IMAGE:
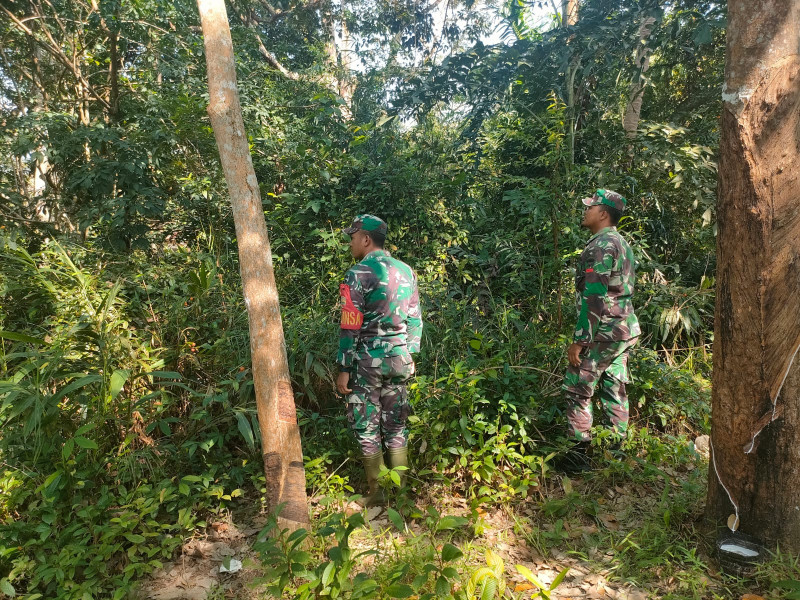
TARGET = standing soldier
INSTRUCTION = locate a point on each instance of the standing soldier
(380, 329)
(607, 327)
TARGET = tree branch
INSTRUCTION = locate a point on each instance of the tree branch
(268, 56)
(57, 53)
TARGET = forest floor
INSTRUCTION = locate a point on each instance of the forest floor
(623, 532)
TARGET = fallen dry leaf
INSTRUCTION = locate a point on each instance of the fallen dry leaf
(752, 597)
(610, 521)
(523, 587)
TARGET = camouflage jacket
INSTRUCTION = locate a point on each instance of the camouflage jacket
(604, 284)
(380, 310)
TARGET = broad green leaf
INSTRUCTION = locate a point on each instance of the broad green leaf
(84, 428)
(66, 450)
(787, 584)
(7, 588)
(363, 585)
(86, 443)
(489, 588)
(51, 483)
(559, 578)
(118, 379)
(356, 520)
(20, 337)
(327, 574)
(493, 560)
(451, 522)
(450, 573)
(442, 586)
(134, 538)
(702, 35)
(83, 381)
(419, 581)
(451, 552)
(302, 557)
(399, 590)
(245, 429)
(396, 519)
(165, 374)
(298, 535)
(527, 574)
(108, 301)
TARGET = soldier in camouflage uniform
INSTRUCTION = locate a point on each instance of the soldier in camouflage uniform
(381, 324)
(607, 327)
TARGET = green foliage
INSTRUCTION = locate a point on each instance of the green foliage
(487, 582)
(88, 414)
(430, 569)
(290, 568)
(669, 399)
(288, 562)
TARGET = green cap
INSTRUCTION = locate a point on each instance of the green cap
(367, 223)
(607, 197)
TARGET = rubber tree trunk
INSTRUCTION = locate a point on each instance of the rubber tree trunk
(569, 18)
(756, 382)
(280, 436)
(633, 110)
(569, 12)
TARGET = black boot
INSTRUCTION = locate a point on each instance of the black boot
(575, 460)
(616, 450)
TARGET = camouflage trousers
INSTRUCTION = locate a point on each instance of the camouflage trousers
(378, 406)
(605, 363)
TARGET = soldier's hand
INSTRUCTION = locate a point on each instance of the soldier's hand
(574, 354)
(341, 383)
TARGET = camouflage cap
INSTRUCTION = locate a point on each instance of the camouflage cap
(607, 197)
(367, 223)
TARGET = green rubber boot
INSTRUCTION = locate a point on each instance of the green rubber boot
(372, 467)
(398, 457)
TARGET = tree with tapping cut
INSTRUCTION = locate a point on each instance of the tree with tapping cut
(280, 435)
(756, 385)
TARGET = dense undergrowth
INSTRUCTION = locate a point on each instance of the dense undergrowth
(128, 410)
(129, 415)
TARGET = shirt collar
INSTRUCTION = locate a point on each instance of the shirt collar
(601, 232)
(378, 252)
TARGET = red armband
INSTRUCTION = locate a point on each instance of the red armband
(352, 318)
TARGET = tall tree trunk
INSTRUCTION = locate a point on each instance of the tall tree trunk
(569, 18)
(569, 12)
(339, 58)
(280, 435)
(346, 86)
(630, 122)
(756, 392)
